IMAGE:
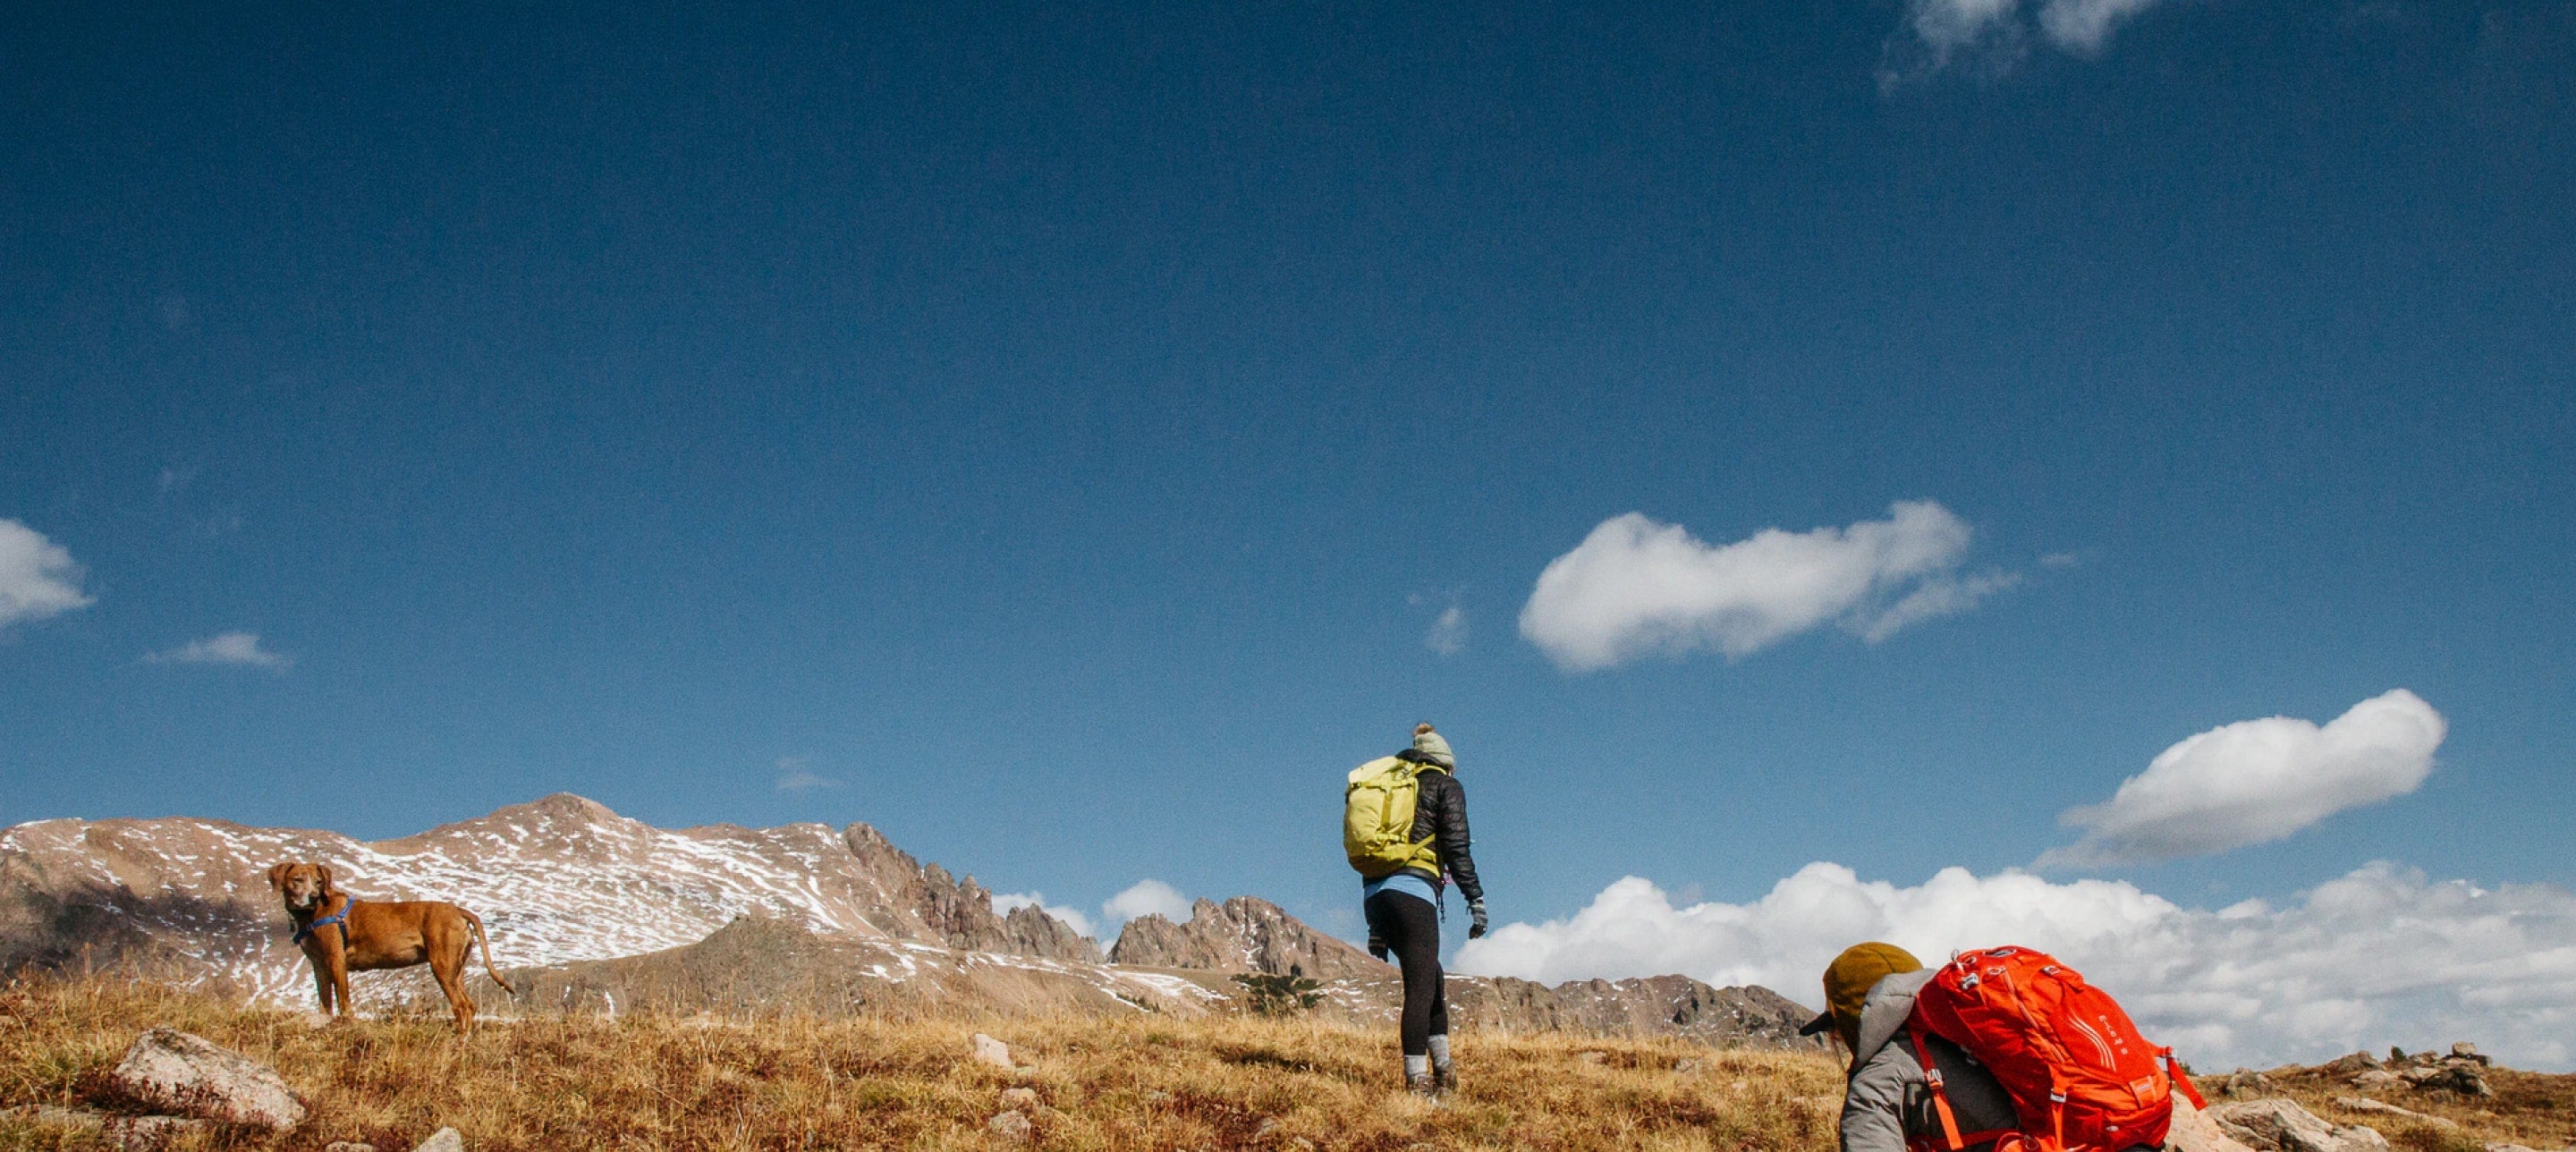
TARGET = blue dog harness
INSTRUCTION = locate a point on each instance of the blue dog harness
(340, 918)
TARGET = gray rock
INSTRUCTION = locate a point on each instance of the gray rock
(2462, 1078)
(1010, 1125)
(172, 1071)
(1020, 1099)
(993, 1052)
(2466, 1051)
(348, 1146)
(2193, 1131)
(443, 1140)
(2280, 1125)
(2246, 1082)
(148, 1133)
(54, 1116)
(2377, 1078)
(2378, 1108)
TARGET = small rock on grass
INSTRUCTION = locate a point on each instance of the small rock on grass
(148, 1133)
(348, 1146)
(1009, 1125)
(1023, 1099)
(173, 1071)
(443, 1140)
(993, 1052)
(56, 1116)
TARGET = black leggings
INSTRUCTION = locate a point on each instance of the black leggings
(1411, 928)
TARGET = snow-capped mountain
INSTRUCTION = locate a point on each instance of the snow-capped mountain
(557, 881)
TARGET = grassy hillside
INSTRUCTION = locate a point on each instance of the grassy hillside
(662, 1081)
(656, 1081)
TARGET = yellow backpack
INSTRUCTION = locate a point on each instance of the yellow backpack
(1377, 819)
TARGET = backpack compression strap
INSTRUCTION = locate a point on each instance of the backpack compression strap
(1941, 1102)
(2181, 1079)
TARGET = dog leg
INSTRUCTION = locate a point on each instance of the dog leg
(450, 971)
(340, 980)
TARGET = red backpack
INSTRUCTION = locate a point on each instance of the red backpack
(2080, 1077)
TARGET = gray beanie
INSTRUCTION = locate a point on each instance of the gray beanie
(1432, 747)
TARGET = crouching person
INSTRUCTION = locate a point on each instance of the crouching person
(1943, 1059)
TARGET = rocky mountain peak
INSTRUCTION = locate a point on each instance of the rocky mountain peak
(1245, 934)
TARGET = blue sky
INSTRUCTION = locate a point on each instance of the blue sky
(1054, 434)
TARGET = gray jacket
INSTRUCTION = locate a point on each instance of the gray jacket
(1888, 1097)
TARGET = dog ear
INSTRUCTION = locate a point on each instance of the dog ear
(328, 889)
(277, 876)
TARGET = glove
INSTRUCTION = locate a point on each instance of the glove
(1377, 946)
(1476, 909)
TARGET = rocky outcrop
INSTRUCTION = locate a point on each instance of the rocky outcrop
(559, 880)
(1646, 1006)
(1244, 934)
(2461, 1071)
(2280, 1125)
(1650, 1006)
(762, 964)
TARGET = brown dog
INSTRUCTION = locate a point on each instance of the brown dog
(341, 934)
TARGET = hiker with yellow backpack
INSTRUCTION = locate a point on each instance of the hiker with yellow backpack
(1404, 827)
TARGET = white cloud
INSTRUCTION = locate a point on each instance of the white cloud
(1949, 26)
(1996, 32)
(1635, 587)
(37, 577)
(2257, 781)
(2378, 957)
(236, 648)
(796, 774)
(1147, 898)
(2084, 25)
(1448, 635)
(1009, 902)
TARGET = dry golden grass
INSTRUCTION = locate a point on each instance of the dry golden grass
(1146, 1082)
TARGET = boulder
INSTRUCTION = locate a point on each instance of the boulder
(2348, 1065)
(171, 1071)
(2193, 1131)
(2279, 1125)
(2467, 1051)
(2378, 1078)
(2246, 1082)
(2462, 1078)
(443, 1140)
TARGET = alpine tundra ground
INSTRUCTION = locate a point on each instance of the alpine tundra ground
(654, 1081)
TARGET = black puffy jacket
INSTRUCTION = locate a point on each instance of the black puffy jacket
(1440, 814)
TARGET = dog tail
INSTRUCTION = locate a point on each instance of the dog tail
(479, 938)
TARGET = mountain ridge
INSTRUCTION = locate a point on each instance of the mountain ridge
(591, 910)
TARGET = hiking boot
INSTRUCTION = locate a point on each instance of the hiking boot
(1422, 1084)
(1444, 1080)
